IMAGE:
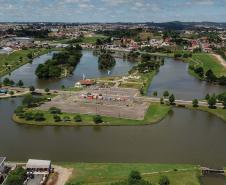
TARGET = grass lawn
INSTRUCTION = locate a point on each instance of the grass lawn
(107, 173)
(13, 59)
(154, 114)
(93, 39)
(207, 61)
(219, 112)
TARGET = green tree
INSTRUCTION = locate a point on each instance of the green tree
(162, 100)
(39, 116)
(29, 55)
(57, 118)
(78, 118)
(172, 99)
(16, 177)
(155, 93)
(31, 88)
(47, 90)
(164, 180)
(97, 119)
(212, 101)
(166, 93)
(195, 103)
(54, 110)
(29, 116)
(11, 93)
(106, 61)
(20, 83)
(134, 177)
(207, 96)
(224, 104)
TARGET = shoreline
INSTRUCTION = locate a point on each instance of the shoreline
(155, 113)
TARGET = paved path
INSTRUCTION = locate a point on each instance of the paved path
(24, 91)
(220, 59)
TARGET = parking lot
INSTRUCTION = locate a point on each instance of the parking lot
(113, 102)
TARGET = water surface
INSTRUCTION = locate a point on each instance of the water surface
(87, 66)
(174, 77)
(185, 136)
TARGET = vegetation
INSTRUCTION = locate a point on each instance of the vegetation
(219, 112)
(61, 64)
(16, 177)
(133, 179)
(9, 63)
(106, 61)
(195, 103)
(155, 113)
(106, 174)
(172, 99)
(206, 67)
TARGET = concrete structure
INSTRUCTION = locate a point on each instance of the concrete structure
(2, 164)
(35, 165)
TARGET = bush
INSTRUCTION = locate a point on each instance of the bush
(195, 103)
(212, 101)
(164, 180)
(66, 118)
(97, 119)
(19, 110)
(166, 94)
(16, 177)
(29, 116)
(155, 93)
(172, 99)
(57, 118)
(39, 117)
(77, 118)
(54, 110)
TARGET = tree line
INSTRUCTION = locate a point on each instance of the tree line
(67, 59)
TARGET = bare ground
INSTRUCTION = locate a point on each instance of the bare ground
(220, 59)
(63, 174)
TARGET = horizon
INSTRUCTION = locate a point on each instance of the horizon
(112, 11)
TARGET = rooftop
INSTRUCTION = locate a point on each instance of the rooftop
(34, 163)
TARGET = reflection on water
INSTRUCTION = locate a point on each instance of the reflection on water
(88, 66)
(174, 77)
(213, 180)
(186, 136)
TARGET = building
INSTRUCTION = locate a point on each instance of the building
(87, 82)
(2, 164)
(37, 166)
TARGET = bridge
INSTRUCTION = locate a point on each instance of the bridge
(206, 170)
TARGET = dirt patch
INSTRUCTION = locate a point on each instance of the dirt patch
(63, 175)
(220, 59)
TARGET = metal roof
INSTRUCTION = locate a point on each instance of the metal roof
(33, 163)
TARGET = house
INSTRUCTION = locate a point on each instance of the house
(41, 166)
(87, 82)
(2, 164)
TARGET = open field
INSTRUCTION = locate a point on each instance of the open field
(154, 114)
(112, 102)
(107, 173)
(207, 61)
(9, 63)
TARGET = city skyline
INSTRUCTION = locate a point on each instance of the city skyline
(112, 11)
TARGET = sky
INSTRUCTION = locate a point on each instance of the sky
(112, 10)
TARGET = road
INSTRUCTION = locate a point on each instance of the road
(23, 91)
